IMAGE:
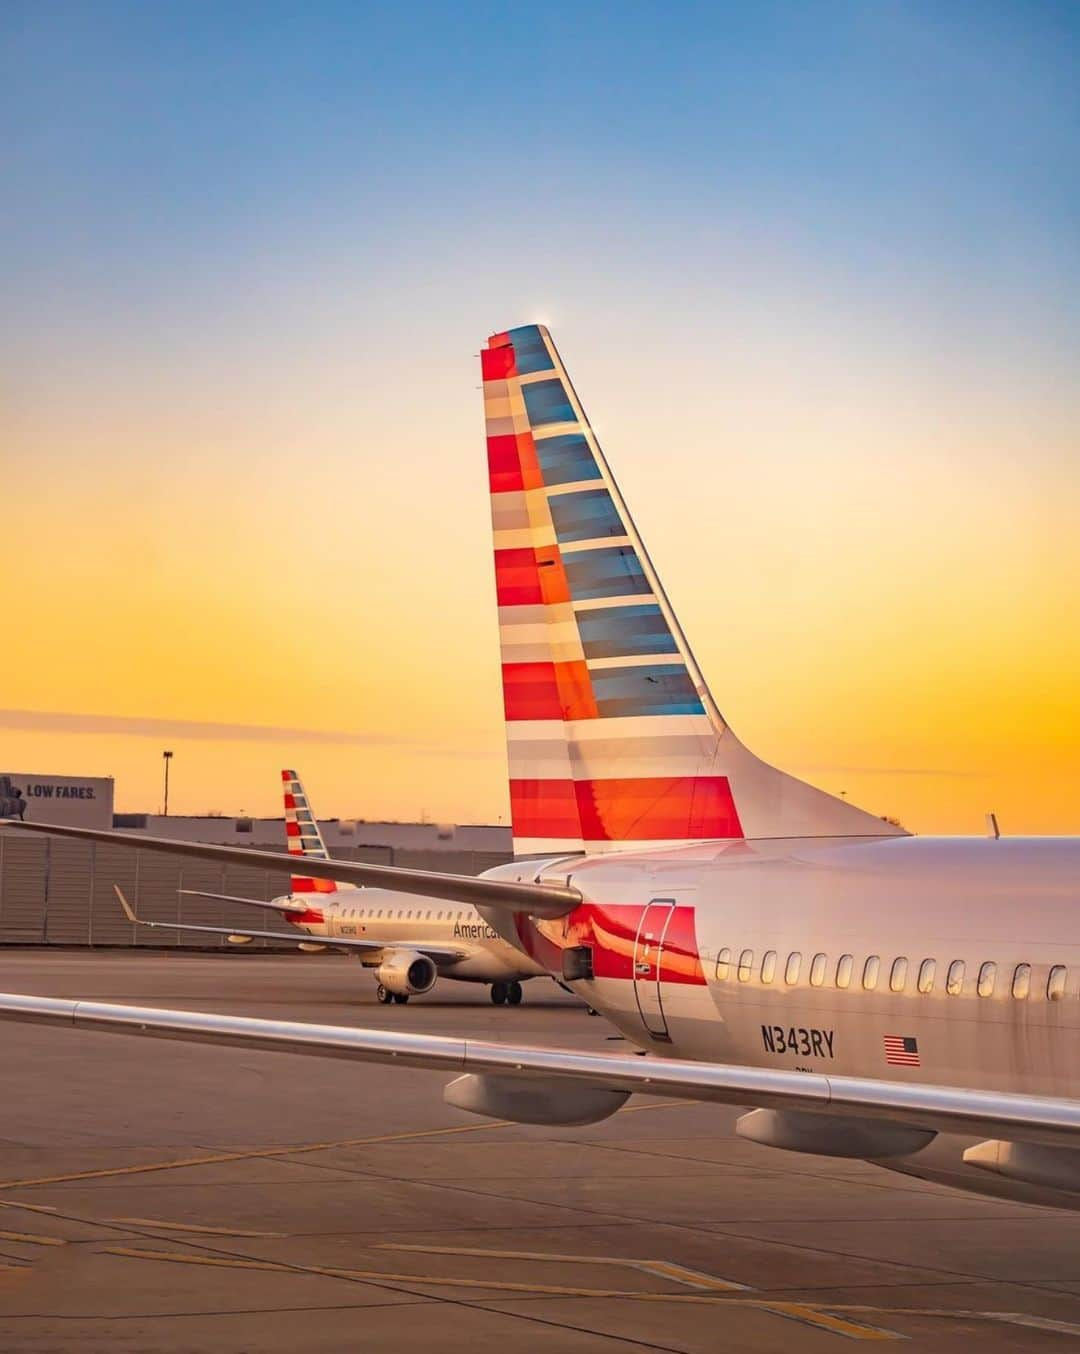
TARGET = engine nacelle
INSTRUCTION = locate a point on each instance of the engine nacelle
(831, 1135)
(407, 974)
(1032, 1163)
(532, 1100)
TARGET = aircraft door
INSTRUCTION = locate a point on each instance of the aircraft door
(648, 960)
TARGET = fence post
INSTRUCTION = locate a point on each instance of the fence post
(45, 905)
(90, 899)
(138, 900)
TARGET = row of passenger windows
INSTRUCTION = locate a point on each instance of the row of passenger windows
(403, 914)
(898, 974)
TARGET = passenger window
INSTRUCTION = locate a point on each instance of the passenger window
(898, 975)
(987, 975)
(817, 970)
(1055, 983)
(870, 972)
(746, 966)
(954, 979)
(723, 965)
(844, 966)
(927, 969)
(768, 966)
(1021, 982)
(791, 971)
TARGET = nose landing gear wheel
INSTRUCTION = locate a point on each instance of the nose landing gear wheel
(499, 993)
(383, 996)
(513, 994)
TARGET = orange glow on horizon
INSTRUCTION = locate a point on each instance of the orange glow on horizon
(894, 618)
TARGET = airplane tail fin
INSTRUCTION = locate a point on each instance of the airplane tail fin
(302, 835)
(613, 737)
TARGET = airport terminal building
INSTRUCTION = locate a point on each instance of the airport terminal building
(60, 892)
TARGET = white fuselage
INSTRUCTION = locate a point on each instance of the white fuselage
(405, 922)
(763, 954)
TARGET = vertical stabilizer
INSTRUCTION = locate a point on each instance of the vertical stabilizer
(614, 740)
(302, 835)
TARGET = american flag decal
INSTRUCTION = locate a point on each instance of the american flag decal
(902, 1050)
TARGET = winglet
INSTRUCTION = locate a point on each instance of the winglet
(126, 906)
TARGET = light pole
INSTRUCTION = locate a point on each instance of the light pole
(166, 758)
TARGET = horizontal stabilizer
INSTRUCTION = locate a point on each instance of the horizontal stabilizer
(537, 900)
(446, 954)
(276, 904)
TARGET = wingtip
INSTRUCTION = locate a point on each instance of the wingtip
(128, 911)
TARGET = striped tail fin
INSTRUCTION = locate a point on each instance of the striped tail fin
(302, 835)
(614, 740)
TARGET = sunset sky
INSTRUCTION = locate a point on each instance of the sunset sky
(814, 270)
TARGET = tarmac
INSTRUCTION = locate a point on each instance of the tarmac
(158, 1196)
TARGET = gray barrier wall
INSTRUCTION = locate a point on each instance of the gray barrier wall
(57, 892)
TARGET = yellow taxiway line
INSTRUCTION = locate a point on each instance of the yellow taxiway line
(257, 1153)
(664, 1269)
(32, 1239)
(193, 1227)
(252, 1154)
(796, 1311)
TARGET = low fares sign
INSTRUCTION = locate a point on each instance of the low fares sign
(78, 801)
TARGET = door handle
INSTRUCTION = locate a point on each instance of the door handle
(644, 968)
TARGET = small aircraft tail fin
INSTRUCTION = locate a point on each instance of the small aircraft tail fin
(303, 835)
(614, 739)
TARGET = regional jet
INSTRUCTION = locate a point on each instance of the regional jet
(409, 942)
(913, 1001)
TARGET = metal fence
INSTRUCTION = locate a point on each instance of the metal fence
(57, 892)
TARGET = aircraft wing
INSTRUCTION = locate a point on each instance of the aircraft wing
(944, 1109)
(446, 953)
(538, 900)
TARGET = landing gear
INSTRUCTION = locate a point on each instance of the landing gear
(506, 994)
(382, 995)
(590, 1011)
(401, 998)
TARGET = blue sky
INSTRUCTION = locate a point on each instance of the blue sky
(906, 143)
(813, 267)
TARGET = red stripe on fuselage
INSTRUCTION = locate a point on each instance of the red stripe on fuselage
(610, 929)
(311, 917)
